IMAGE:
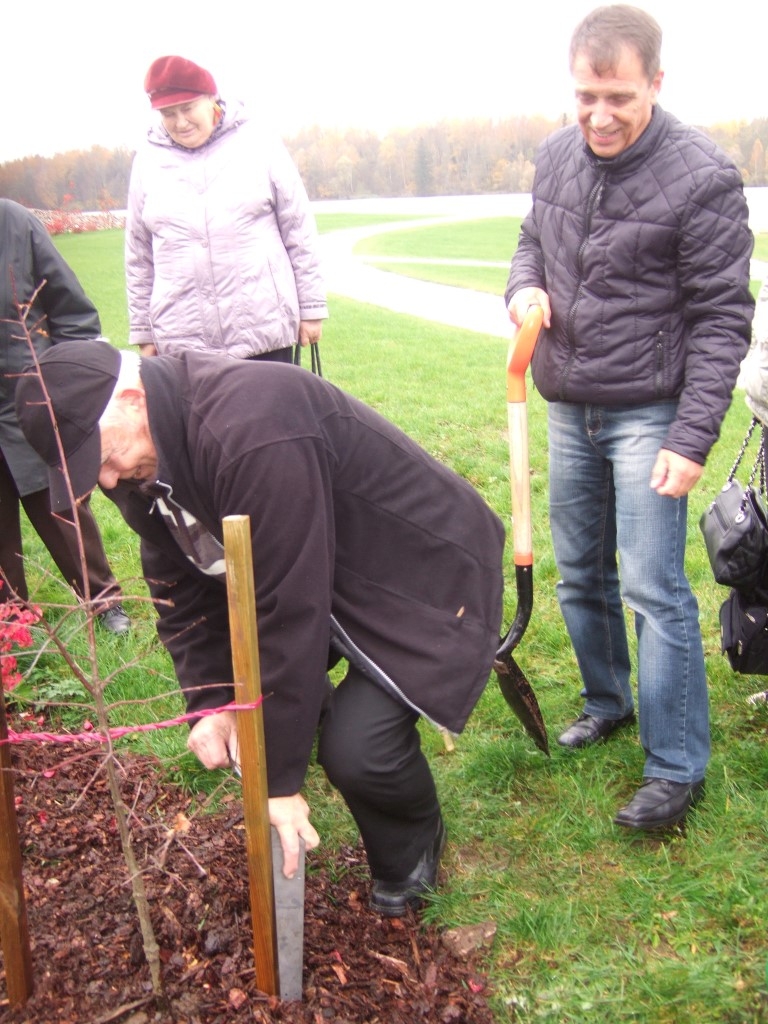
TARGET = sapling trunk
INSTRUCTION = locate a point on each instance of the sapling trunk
(95, 686)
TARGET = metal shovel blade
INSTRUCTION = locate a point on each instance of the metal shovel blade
(516, 689)
(518, 693)
(289, 917)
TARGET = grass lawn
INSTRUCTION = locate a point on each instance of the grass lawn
(340, 221)
(594, 926)
(491, 240)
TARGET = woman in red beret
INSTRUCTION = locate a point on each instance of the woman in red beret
(221, 245)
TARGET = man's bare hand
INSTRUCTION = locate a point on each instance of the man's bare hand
(673, 475)
(522, 301)
(290, 816)
(214, 740)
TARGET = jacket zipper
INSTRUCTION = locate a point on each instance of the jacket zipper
(345, 645)
(660, 390)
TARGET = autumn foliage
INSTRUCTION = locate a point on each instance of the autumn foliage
(15, 635)
(461, 157)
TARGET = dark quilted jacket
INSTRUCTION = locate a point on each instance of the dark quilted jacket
(645, 258)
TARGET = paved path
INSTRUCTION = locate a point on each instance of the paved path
(357, 278)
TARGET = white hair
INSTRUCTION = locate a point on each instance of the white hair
(130, 371)
(129, 376)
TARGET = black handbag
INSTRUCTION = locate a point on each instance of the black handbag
(744, 634)
(735, 527)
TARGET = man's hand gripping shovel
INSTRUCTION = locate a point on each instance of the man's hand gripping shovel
(516, 689)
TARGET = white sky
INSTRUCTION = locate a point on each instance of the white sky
(72, 74)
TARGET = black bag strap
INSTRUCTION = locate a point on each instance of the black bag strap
(316, 367)
(759, 460)
(315, 350)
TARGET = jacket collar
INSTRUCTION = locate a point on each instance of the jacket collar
(166, 418)
(639, 152)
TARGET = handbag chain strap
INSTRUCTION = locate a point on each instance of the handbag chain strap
(759, 461)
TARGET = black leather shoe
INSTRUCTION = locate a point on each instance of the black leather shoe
(659, 803)
(392, 899)
(114, 620)
(588, 729)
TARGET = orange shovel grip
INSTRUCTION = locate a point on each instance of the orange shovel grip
(520, 353)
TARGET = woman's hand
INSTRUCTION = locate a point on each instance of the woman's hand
(310, 332)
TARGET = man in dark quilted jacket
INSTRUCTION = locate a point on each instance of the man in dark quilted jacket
(637, 247)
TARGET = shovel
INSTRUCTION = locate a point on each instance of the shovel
(516, 689)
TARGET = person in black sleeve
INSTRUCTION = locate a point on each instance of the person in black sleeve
(33, 273)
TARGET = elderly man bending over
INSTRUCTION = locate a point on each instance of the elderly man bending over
(365, 549)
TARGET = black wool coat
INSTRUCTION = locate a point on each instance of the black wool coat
(361, 540)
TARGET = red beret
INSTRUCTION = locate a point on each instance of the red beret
(173, 80)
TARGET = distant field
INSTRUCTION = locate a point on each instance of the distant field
(339, 221)
(761, 247)
(492, 240)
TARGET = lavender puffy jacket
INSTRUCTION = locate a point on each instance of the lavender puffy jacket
(220, 244)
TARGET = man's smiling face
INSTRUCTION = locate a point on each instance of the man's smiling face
(614, 109)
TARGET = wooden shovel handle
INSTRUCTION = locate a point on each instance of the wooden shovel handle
(519, 357)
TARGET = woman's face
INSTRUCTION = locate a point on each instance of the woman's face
(191, 124)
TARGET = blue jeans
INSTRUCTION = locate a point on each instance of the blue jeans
(615, 538)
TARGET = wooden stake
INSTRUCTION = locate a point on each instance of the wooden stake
(14, 930)
(250, 730)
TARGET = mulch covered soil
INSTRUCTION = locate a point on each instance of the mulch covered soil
(89, 966)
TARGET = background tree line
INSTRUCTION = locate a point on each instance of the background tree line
(471, 157)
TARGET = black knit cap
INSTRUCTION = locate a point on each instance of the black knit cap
(80, 378)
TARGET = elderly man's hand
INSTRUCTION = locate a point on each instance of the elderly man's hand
(310, 332)
(522, 301)
(214, 740)
(290, 816)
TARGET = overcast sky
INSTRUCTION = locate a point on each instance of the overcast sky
(72, 74)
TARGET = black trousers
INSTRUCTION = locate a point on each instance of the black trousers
(277, 355)
(370, 749)
(57, 532)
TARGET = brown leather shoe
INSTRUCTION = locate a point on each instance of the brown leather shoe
(588, 729)
(659, 803)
